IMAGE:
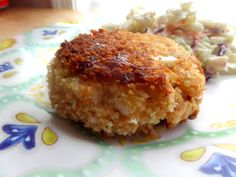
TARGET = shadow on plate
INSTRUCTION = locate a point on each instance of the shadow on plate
(78, 131)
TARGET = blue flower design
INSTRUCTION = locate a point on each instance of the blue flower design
(5, 66)
(24, 134)
(49, 32)
(220, 164)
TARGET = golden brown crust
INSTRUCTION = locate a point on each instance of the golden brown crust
(123, 57)
(115, 82)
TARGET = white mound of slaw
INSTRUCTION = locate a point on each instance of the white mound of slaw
(211, 42)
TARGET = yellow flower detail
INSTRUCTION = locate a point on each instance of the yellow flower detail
(7, 44)
(74, 21)
(49, 137)
(229, 123)
(9, 74)
(231, 147)
(61, 32)
(216, 125)
(48, 38)
(193, 155)
(26, 118)
(18, 61)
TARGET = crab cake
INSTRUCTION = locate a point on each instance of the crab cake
(122, 83)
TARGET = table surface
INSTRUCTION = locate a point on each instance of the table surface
(17, 20)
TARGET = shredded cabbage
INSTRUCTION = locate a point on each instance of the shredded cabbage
(211, 42)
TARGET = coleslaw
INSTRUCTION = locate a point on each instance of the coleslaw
(211, 42)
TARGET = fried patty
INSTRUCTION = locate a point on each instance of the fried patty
(118, 82)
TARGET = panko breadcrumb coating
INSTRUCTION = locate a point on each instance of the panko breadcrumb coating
(123, 83)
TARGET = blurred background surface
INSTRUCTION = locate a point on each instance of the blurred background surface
(22, 15)
(223, 10)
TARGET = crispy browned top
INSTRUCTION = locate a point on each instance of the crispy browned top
(122, 56)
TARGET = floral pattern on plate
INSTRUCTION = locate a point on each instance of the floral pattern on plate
(15, 68)
(25, 134)
(9, 44)
(50, 36)
(218, 163)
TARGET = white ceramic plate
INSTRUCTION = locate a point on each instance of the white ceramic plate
(35, 143)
